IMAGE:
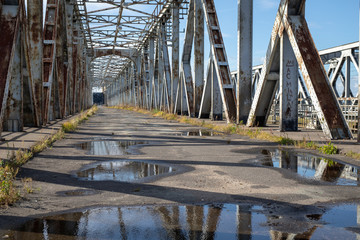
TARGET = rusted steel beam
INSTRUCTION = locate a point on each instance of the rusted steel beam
(264, 93)
(288, 86)
(10, 23)
(49, 50)
(75, 70)
(198, 56)
(155, 78)
(216, 112)
(185, 70)
(314, 74)
(358, 134)
(146, 76)
(33, 55)
(151, 71)
(244, 71)
(205, 106)
(175, 54)
(69, 11)
(13, 118)
(290, 18)
(220, 61)
(167, 71)
(60, 80)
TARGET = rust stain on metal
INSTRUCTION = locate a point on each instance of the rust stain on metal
(318, 78)
(7, 26)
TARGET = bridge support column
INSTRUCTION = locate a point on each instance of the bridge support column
(358, 136)
(175, 55)
(198, 56)
(14, 110)
(288, 86)
(151, 72)
(216, 112)
(34, 55)
(244, 75)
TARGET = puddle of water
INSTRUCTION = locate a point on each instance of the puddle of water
(201, 133)
(124, 171)
(222, 221)
(77, 193)
(111, 147)
(313, 167)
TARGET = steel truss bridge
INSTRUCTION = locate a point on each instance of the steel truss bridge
(131, 49)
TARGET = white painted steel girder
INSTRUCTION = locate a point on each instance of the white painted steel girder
(244, 69)
(288, 86)
(198, 56)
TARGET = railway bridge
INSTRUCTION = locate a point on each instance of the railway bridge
(56, 52)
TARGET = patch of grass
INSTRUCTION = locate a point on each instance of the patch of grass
(72, 125)
(8, 192)
(27, 185)
(329, 149)
(69, 126)
(286, 141)
(9, 169)
(352, 154)
(306, 144)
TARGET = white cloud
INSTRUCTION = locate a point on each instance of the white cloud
(266, 4)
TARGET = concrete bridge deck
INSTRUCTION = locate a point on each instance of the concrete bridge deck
(208, 169)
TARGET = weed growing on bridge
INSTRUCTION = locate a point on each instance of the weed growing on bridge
(8, 191)
(9, 169)
(329, 149)
(72, 125)
(352, 154)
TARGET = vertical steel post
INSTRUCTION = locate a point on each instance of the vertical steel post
(69, 11)
(75, 81)
(160, 73)
(358, 134)
(175, 54)
(347, 89)
(14, 113)
(151, 71)
(216, 112)
(187, 88)
(198, 55)
(35, 53)
(10, 24)
(288, 86)
(244, 74)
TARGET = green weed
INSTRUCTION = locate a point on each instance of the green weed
(329, 149)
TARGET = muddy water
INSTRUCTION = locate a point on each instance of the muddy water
(124, 171)
(111, 147)
(313, 167)
(222, 221)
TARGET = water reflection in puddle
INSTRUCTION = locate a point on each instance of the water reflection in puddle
(313, 167)
(223, 221)
(124, 171)
(77, 193)
(111, 147)
(201, 133)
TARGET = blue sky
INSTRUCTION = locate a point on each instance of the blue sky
(331, 23)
